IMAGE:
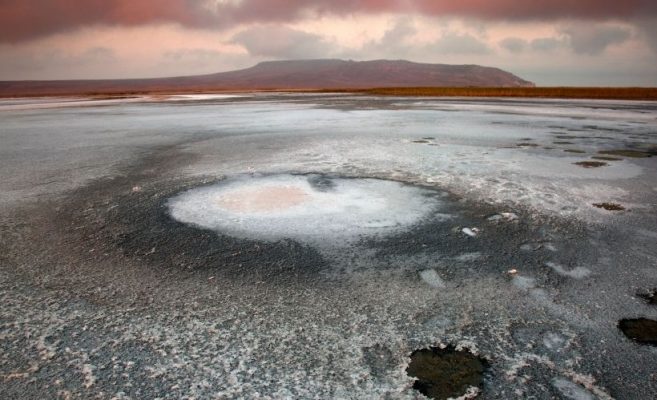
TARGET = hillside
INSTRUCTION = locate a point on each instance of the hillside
(293, 74)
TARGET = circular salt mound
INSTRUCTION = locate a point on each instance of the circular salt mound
(305, 207)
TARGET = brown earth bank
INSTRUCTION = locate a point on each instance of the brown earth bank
(600, 93)
(610, 93)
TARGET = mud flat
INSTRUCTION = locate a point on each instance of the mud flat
(326, 246)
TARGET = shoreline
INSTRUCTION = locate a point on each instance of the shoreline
(593, 93)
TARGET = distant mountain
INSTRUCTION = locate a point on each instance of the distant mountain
(293, 74)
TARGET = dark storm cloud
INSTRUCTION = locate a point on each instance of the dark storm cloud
(282, 42)
(514, 44)
(192, 55)
(592, 40)
(398, 40)
(499, 9)
(26, 19)
(518, 45)
(394, 41)
(459, 43)
(649, 30)
(546, 44)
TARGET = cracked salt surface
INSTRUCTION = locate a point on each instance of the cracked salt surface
(305, 207)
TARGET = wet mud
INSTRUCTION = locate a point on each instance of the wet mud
(444, 373)
(640, 330)
(591, 164)
(649, 297)
(627, 153)
(606, 158)
(609, 206)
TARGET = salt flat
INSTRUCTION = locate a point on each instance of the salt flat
(140, 258)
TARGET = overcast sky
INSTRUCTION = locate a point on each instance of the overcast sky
(550, 42)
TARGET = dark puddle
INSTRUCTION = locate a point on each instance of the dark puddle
(627, 153)
(601, 128)
(609, 206)
(606, 158)
(321, 183)
(566, 137)
(420, 141)
(591, 164)
(526, 145)
(562, 142)
(640, 330)
(446, 373)
(650, 297)
(651, 149)
(574, 151)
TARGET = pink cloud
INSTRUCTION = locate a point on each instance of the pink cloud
(27, 19)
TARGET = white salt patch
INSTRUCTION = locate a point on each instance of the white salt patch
(575, 273)
(571, 390)
(204, 96)
(438, 323)
(540, 294)
(528, 247)
(431, 278)
(554, 341)
(89, 377)
(470, 232)
(466, 257)
(64, 102)
(306, 207)
(503, 217)
(523, 282)
(550, 246)
(471, 393)
(529, 285)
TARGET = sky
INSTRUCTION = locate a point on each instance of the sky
(549, 42)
